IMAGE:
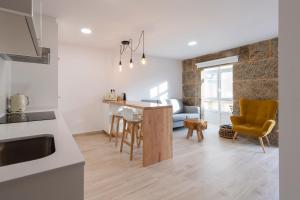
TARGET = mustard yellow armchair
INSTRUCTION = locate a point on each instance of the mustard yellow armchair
(257, 119)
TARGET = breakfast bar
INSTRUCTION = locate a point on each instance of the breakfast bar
(157, 129)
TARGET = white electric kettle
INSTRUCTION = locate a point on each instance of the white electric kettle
(18, 103)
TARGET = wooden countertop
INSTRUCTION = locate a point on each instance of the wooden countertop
(138, 105)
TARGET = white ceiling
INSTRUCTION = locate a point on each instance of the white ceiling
(169, 24)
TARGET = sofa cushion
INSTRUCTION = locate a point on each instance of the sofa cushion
(191, 109)
(178, 124)
(179, 117)
(176, 104)
(183, 116)
(193, 115)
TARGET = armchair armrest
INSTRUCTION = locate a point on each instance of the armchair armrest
(191, 109)
(237, 120)
(268, 126)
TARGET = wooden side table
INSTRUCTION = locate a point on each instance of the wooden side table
(195, 124)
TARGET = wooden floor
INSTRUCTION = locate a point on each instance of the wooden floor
(215, 169)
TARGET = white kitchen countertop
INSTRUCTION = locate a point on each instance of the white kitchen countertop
(66, 152)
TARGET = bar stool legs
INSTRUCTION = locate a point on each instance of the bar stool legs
(139, 135)
(132, 141)
(116, 134)
(133, 128)
(111, 127)
(117, 130)
(123, 134)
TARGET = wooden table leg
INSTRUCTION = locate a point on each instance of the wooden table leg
(189, 133)
(200, 135)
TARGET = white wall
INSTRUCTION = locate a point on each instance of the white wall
(86, 74)
(289, 98)
(84, 78)
(4, 85)
(159, 78)
(39, 81)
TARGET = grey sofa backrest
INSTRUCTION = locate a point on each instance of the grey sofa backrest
(151, 100)
(177, 105)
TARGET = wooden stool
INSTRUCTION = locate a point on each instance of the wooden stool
(118, 118)
(132, 125)
(195, 124)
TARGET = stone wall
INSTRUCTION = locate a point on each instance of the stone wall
(255, 76)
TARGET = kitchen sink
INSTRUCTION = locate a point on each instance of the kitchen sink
(22, 150)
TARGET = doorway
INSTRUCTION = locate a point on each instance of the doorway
(217, 94)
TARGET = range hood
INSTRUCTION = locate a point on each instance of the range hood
(21, 32)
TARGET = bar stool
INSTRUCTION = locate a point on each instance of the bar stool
(116, 115)
(132, 123)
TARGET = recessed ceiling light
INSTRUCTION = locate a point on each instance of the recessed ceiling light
(86, 31)
(192, 43)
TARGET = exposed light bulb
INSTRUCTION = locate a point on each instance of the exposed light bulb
(131, 64)
(120, 66)
(143, 61)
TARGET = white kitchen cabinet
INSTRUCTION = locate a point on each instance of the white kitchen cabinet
(15, 37)
(37, 18)
(23, 7)
(21, 27)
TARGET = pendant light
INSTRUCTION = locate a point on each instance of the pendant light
(129, 44)
(120, 63)
(130, 62)
(120, 66)
(143, 61)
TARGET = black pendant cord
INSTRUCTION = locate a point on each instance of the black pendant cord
(123, 49)
(143, 42)
(141, 36)
(129, 45)
(121, 53)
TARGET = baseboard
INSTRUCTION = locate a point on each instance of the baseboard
(90, 133)
(105, 132)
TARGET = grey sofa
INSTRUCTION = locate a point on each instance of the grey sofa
(180, 111)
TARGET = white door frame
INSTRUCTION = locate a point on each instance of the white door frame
(219, 70)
